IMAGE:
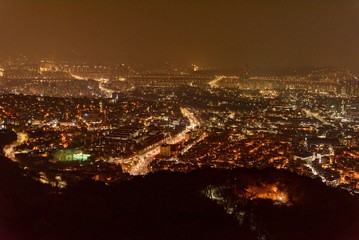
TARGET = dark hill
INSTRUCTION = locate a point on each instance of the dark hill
(7, 137)
(169, 205)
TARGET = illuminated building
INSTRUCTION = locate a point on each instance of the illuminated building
(165, 150)
(71, 155)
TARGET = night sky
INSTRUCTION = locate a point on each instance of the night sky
(260, 33)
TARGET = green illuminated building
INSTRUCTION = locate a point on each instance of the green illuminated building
(71, 155)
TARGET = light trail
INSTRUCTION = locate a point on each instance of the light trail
(9, 150)
(315, 172)
(318, 117)
(102, 82)
(201, 138)
(214, 83)
(77, 77)
(139, 162)
(107, 91)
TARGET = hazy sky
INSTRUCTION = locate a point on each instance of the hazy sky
(225, 33)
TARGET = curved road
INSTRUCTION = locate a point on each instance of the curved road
(139, 162)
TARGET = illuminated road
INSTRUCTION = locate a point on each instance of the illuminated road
(314, 172)
(9, 150)
(203, 136)
(107, 91)
(102, 82)
(78, 77)
(318, 117)
(138, 164)
(214, 83)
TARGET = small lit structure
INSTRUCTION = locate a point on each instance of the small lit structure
(71, 155)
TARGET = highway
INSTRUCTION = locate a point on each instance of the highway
(107, 91)
(139, 162)
(102, 81)
(214, 83)
(318, 117)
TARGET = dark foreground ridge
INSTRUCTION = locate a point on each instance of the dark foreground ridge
(169, 205)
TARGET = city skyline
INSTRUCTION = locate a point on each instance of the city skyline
(262, 148)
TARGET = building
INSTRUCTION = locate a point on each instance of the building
(165, 150)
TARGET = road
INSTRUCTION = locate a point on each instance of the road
(214, 83)
(9, 150)
(139, 162)
(107, 91)
(102, 82)
(201, 138)
(318, 117)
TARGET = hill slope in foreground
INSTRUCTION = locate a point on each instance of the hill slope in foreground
(204, 204)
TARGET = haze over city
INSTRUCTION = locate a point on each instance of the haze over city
(266, 34)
